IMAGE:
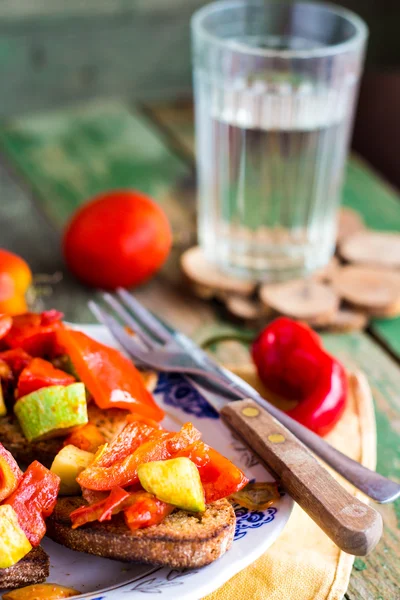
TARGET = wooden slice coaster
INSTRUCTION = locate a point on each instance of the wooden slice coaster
(247, 309)
(373, 248)
(326, 273)
(310, 301)
(346, 320)
(376, 291)
(349, 222)
(207, 278)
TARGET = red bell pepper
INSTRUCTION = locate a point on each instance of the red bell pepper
(112, 379)
(124, 472)
(322, 408)
(34, 500)
(17, 359)
(87, 437)
(131, 437)
(40, 373)
(34, 332)
(5, 325)
(146, 510)
(140, 508)
(102, 510)
(219, 476)
(292, 364)
(10, 474)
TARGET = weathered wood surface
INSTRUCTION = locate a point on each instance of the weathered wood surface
(54, 52)
(67, 156)
(109, 147)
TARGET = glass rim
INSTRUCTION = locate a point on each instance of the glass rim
(199, 29)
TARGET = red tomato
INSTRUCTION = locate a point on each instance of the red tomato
(118, 239)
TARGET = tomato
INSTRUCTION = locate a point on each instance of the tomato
(15, 278)
(118, 239)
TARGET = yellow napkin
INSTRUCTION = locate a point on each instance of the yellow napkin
(304, 564)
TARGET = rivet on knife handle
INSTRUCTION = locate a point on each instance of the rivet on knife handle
(354, 526)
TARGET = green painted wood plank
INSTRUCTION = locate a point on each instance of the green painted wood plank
(366, 191)
(69, 156)
(359, 351)
(379, 204)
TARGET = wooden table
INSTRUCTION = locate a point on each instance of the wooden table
(52, 162)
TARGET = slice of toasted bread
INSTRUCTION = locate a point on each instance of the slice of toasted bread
(33, 568)
(182, 540)
(110, 422)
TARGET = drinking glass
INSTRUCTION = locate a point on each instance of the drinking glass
(275, 87)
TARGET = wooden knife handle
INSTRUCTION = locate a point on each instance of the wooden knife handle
(354, 526)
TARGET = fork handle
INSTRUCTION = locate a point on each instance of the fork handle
(354, 526)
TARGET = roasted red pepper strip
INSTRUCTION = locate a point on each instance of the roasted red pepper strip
(40, 373)
(10, 474)
(112, 379)
(219, 476)
(102, 510)
(141, 509)
(134, 417)
(34, 333)
(292, 364)
(146, 510)
(5, 325)
(48, 317)
(34, 500)
(131, 437)
(17, 359)
(124, 472)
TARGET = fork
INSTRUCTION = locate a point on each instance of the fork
(355, 527)
(164, 349)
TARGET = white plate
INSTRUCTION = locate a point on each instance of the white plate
(104, 579)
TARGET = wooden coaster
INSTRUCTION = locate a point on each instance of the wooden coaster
(349, 222)
(326, 273)
(247, 309)
(373, 248)
(310, 301)
(346, 320)
(376, 291)
(208, 280)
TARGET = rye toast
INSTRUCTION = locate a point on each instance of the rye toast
(182, 540)
(33, 568)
